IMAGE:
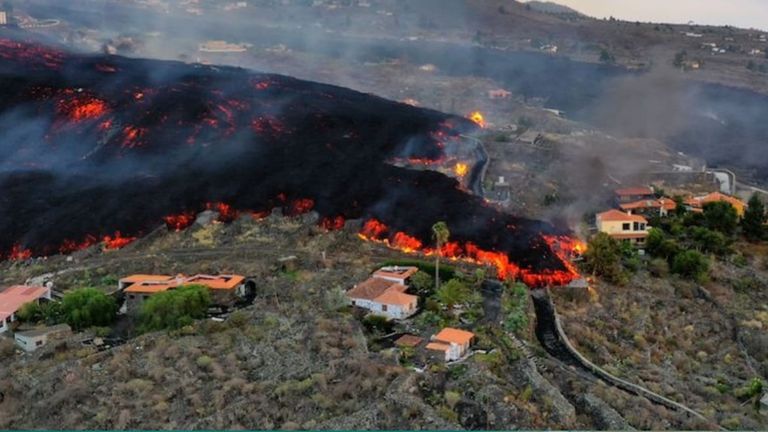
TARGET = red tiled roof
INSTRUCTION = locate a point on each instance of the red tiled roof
(614, 215)
(638, 190)
(150, 284)
(392, 296)
(395, 272)
(145, 278)
(627, 236)
(371, 288)
(438, 346)
(456, 336)
(408, 340)
(12, 298)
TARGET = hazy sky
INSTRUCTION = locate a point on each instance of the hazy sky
(739, 13)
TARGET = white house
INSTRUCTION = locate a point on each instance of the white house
(13, 298)
(384, 293)
(451, 344)
(31, 340)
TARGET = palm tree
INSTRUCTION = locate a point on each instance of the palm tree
(441, 234)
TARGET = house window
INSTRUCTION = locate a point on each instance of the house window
(642, 227)
(383, 308)
(636, 227)
(625, 226)
(353, 303)
(131, 296)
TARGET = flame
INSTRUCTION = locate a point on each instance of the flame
(132, 136)
(117, 241)
(332, 223)
(260, 214)
(69, 246)
(478, 118)
(18, 253)
(301, 206)
(376, 231)
(78, 107)
(226, 212)
(461, 169)
(179, 221)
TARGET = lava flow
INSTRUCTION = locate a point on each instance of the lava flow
(102, 149)
(478, 118)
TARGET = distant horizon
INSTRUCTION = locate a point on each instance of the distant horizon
(737, 13)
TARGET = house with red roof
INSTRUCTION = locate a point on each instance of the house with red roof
(14, 297)
(696, 204)
(650, 207)
(224, 289)
(623, 226)
(633, 194)
(384, 293)
(450, 344)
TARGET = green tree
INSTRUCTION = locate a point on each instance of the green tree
(30, 312)
(441, 234)
(515, 308)
(709, 241)
(692, 264)
(453, 292)
(753, 224)
(721, 216)
(87, 307)
(422, 284)
(680, 208)
(603, 257)
(174, 309)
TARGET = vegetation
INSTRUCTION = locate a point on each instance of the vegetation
(453, 292)
(87, 307)
(174, 309)
(423, 285)
(515, 307)
(721, 216)
(441, 234)
(691, 264)
(606, 56)
(603, 258)
(753, 224)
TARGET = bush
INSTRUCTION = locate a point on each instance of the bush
(710, 241)
(753, 224)
(30, 312)
(721, 216)
(7, 348)
(603, 257)
(515, 308)
(377, 323)
(88, 307)
(658, 268)
(204, 362)
(423, 284)
(174, 309)
(453, 292)
(691, 264)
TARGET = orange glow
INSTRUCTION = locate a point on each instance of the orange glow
(71, 246)
(461, 169)
(180, 221)
(478, 118)
(301, 206)
(225, 211)
(332, 223)
(376, 231)
(77, 107)
(260, 214)
(132, 136)
(18, 253)
(117, 241)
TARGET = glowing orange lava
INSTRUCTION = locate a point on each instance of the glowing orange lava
(78, 107)
(69, 246)
(375, 231)
(460, 169)
(179, 221)
(478, 118)
(332, 223)
(18, 253)
(226, 212)
(301, 206)
(117, 241)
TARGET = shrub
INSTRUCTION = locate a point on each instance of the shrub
(453, 292)
(721, 216)
(515, 308)
(603, 257)
(753, 224)
(174, 309)
(658, 268)
(423, 284)
(377, 323)
(204, 362)
(691, 264)
(7, 348)
(87, 307)
(30, 312)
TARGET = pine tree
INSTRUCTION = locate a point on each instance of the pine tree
(754, 220)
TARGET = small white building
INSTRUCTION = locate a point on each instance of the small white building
(33, 339)
(13, 298)
(385, 293)
(3, 18)
(451, 344)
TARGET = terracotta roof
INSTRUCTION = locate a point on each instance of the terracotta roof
(638, 190)
(408, 341)
(144, 278)
(215, 282)
(665, 203)
(438, 346)
(12, 298)
(371, 288)
(395, 272)
(457, 336)
(614, 215)
(150, 287)
(392, 296)
(715, 197)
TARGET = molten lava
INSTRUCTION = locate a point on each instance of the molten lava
(226, 212)
(117, 241)
(179, 222)
(461, 169)
(478, 118)
(19, 254)
(332, 223)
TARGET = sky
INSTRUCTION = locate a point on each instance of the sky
(739, 13)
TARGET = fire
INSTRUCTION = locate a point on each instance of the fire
(18, 253)
(301, 206)
(478, 118)
(376, 231)
(461, 169)
(226, 212)
(332, 223)
(132, 136)
(258, 215)
(77, 107)
(179, 221)
(117, 241)
(70, 246)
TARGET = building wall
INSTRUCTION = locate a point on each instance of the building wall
(616, 227)
(392, 311)
(30, 343)
(133, 301)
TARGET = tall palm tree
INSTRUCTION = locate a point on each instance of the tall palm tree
(441, 234)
